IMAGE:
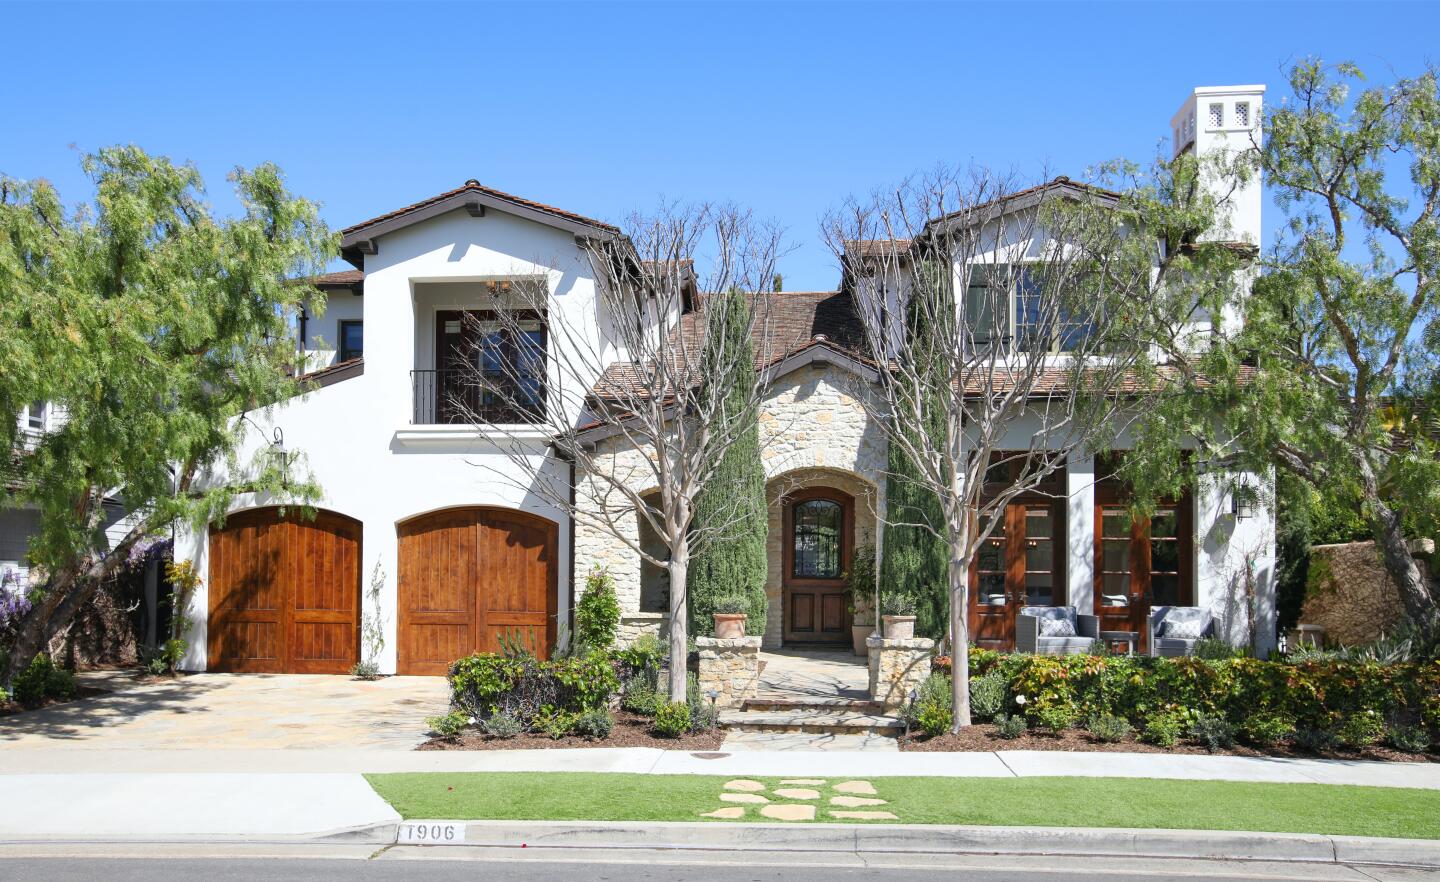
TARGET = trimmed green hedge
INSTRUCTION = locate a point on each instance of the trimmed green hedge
(1355, 703)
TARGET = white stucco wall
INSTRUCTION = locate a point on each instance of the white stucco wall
(356, 436)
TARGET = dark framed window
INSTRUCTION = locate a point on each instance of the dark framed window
(35, 416)
(817, 537)
(352, 340)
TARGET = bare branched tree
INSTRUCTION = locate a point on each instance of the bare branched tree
(631, 392)
(1006, 321)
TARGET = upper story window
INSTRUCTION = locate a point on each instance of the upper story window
(352, 340)
(1242, 114)
(490, 370)
(35, 416)
(1217, 115)
(1012, 303)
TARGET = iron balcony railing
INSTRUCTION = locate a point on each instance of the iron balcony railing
(450, 397)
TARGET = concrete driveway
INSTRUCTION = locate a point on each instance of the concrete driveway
(233, 712)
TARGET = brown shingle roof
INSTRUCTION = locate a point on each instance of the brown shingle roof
(341, 279)
(793, 322)
(474, 186)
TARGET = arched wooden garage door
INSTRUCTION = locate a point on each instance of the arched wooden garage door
(284, 593)
(469, 575)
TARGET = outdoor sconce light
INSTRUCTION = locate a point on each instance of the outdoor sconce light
(1242, 502)
(277, 452)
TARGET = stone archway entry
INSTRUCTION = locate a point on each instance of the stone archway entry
(819, 526)
(470, 576)
(284, 593)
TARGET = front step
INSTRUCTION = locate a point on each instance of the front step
(813, 720)
(852, 705)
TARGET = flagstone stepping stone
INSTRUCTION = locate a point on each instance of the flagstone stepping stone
(742, 797)
(861, 816)
(864, 788)
(789, 812)
(797, 793)
(852, 801)
(802, 782)
(746, 785)
(729, 812)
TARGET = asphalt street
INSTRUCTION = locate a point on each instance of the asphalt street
(434, 865)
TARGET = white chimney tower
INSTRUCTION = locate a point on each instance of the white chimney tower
(1225, 118)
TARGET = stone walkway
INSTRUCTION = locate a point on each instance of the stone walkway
(810, 700)
(799, 799)
(814, 674)
(233, 712)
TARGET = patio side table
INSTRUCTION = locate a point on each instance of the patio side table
(1129, 638)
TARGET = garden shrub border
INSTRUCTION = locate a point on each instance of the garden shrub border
(1353, 703)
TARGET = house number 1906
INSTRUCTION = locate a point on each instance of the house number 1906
(432, 833)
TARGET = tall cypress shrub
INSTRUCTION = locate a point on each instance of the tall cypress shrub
(732, 563)
(914, 560)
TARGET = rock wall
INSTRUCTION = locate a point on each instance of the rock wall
(897, 667)
(729, 667)
(1350, 594)
(814, 431)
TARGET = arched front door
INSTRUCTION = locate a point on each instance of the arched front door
(470, 577)
(284, 593)
(819, 526)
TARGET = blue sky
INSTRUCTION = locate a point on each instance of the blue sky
(603, 109)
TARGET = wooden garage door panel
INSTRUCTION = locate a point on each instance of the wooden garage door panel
(467, 576)
(284, 593)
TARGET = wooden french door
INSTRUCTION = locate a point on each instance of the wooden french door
(1020, 564)
(1141, 562)
(510, 355)
(819, 528)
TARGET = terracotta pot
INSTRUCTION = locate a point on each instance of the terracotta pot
(729, 626)
(899, 627)
(858, 636)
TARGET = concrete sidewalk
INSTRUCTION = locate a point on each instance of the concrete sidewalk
(644, 760)
(196, 807)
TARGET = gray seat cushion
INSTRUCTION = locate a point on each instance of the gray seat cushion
(1173, 646)
(1063, 645)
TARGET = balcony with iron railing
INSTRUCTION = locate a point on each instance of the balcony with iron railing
(455, 396)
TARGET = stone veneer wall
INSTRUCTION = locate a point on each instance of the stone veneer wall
(897, 667)
(813, 432)
(730, 667)
(1350, 594)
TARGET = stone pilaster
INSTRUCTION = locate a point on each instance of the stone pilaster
(730, 667)
(896, 667)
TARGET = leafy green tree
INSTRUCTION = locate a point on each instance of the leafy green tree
(149, 324)
(733, 502)
(1315, 378)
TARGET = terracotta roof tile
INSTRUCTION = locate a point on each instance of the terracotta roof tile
(476, 187)
(795, 320)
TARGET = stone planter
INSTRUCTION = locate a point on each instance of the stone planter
(729, 626)
(858, 635)
(899, 627)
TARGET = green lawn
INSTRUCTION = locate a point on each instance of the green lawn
(1053, 802)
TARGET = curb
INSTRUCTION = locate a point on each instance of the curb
(878, 839)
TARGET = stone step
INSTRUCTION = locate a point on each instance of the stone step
(835, 722)
(794, 703)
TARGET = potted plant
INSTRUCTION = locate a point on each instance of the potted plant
(899, 610)
(731, 611)
(859, 597)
